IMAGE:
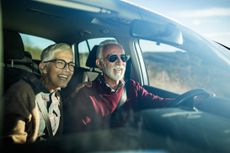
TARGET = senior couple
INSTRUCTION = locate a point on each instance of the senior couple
(35, 113)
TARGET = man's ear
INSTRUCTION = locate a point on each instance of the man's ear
(42, 68)
(99, 63)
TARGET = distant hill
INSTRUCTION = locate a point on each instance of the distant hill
(181, 71)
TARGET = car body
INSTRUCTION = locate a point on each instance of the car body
(167, 58)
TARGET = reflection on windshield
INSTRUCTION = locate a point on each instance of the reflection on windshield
(222, 52)
(178, 70)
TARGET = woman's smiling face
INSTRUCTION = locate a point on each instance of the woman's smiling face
(57, 77)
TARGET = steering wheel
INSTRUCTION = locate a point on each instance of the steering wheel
(189, 98)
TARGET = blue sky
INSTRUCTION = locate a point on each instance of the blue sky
(210, 18)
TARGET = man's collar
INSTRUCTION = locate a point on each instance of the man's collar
(101, 80)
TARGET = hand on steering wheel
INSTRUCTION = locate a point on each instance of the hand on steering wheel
(190, 98)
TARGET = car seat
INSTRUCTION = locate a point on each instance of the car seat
(82, 74)
(17, 62)
(91, 63)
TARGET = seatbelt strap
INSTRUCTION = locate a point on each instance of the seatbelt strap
(44, 112)
(123, 98)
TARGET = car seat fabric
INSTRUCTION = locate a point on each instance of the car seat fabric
(91, 63)
(77, 78)
(17, 62)
(91, 60)
(82, 74)
(13, 45)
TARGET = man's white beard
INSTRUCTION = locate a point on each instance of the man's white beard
(117, 76)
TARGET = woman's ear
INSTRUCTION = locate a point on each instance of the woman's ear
(42, 68)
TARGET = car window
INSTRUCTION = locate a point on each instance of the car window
(35, 45)
(162, 69)
(178, 70)
(85, 47)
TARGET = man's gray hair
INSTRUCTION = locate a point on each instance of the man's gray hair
(103, 46)
(49, 52)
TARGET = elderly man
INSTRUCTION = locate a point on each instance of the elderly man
(33, 108)
(94, 102)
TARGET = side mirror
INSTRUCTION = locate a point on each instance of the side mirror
(157, 31)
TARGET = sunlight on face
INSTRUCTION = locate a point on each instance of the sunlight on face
(114, 70)
(60, 77)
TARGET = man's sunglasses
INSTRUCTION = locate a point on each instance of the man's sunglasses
(112, 58)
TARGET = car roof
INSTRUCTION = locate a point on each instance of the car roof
(71, 21)
(60, 22)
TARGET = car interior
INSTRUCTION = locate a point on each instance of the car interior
(90, 25)
(83, 25)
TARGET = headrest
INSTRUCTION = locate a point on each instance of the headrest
(91, 60)
(27, 59)
(13, 45)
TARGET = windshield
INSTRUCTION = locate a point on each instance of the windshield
(197, 63)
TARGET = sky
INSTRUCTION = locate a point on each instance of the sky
(210, 18)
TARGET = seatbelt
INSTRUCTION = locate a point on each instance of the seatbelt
(44, 112)
(117, 115)
(123, 98)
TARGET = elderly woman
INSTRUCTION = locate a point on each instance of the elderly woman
(33, 108)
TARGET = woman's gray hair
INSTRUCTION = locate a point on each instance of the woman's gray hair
(49, 52)
(104, 45)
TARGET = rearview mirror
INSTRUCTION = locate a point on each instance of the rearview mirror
(159, 32)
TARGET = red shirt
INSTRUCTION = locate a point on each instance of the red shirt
(93, 103)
